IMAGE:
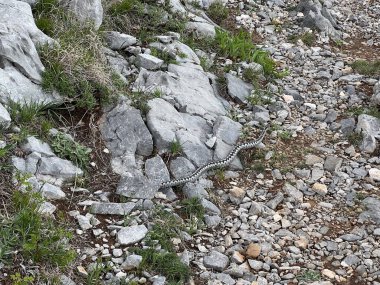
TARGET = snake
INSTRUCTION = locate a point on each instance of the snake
(215, 164)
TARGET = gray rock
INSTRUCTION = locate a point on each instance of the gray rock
(372, 212)
(293, 193)
(191, 190)
(332, 163)
(216, 260)
(33, 144)
(177, 50)
(86, 11)
(84, 222)
(135, 185)
(58, 168)
(158, 280)
(331, 116)
(194, 149)
(350, 260)
(237, 88)
(181, 167)
(125, 135)
(119, 41)
(112, 208)
(318, 17)
(210, 207)
(275, 201)
(347, 126)
(376, 94)
(5, 118)
(47, 208)
(369, 126)
(131, 262)
(131, 235)
(227, 130)
(255, 264)
(225, 278)
(156, 170)
(148, 61)
(187, 85)
(52, 192)
(201, 28)
(168, 125)
(212, 221)
(64, 280)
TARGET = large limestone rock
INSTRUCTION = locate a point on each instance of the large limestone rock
(318, 16)
(370, 128)
(187, 85)
(20, 65)
(125, 135)
(87, 11)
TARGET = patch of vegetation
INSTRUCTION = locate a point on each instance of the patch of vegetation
(355, 138)
(285, 135)
(356, 111)
(167, 264)
(140, 99)
(164, 55)
(260, 97)
(175, 147)
(69, 149)
(241, 47)
(26, 234)
(307, 38)
(165, 227)
(143, 19)
(217, 12)
(18, 280)
(192, 207)
(309, 275)
(370, 68)
(96, 272)
(251, 75)
(76, 67)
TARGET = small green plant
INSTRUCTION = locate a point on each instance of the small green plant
(192, 207)
(217, 12)
(309, 275)
(18, 280)
(68, 149)
(167, 264)
(260, 97)
(30, 235)
(175, 147)
(355, 138)
(307, 38)
(165, 227)
(125, 6)
(356, 111)
(251, 75)
(95, 274)
(140, 99)
(285, 135)
(164, 55)
(370, 68)
(28, 112)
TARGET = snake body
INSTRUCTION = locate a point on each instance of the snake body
(216, 164)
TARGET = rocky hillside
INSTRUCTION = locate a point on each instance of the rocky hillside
(102, 101)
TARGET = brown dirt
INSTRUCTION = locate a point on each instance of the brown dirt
(357, 49)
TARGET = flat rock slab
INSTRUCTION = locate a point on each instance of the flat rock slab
(136, 185)
(131, 235)
(58, 168)
(112, 208)
(237, 88)
(216, 260)
(125, 132)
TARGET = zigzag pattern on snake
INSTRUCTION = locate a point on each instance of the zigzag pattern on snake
(220, 163)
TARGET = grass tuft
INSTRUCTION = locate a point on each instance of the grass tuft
(370, 68)
(68, 149)
(217, 12)
(27, 234)
(167, 264)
